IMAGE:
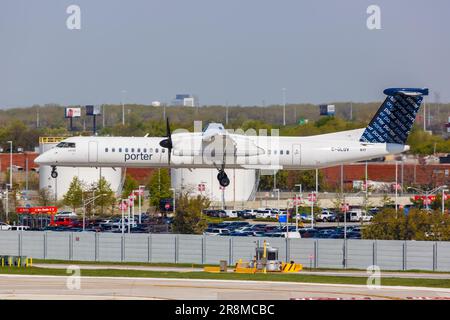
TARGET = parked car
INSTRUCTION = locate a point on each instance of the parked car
(216, 231)
(20, 228)
(4, 226)
(326, 216)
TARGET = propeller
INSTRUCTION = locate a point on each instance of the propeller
(167, 143)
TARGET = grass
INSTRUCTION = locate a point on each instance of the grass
(434, 283)
(196, 265)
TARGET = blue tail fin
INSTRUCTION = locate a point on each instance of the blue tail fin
(395, 118)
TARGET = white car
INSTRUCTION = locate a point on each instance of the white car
(216, 232)
(4, 226)
(326, 216)
(231, 213)
(66, 214)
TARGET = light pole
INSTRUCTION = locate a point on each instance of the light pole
(140, 191)
(10, 164)
(427, 193)
(284, 106)
(123, 106)
(296, 205)
(443, 199)
(85, 203)
(174, 195)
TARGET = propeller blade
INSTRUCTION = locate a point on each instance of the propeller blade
(167, 143)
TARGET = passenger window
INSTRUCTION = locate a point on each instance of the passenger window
(151, 150)
(274, 151)
(281, 152)
(126, 149)
(287, 151)
(113, 150)
(132, 150)
(145, 150)
(156, 150)
(139, 150)
(163, 150)
(120, 149)
(268, 152)
(106, 149)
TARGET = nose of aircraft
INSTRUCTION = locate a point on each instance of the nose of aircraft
(42, 159)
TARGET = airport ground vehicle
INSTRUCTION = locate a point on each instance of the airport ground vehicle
(359, 215)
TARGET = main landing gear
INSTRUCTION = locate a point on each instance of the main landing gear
(54, 173)
(223, 178)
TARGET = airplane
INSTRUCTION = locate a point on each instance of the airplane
(218, 148)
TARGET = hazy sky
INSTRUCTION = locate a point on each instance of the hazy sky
(236, 51)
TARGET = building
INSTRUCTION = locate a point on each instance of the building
(185, 100)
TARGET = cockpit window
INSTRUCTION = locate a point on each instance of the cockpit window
(66, 145)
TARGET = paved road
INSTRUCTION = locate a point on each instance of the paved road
(343, 273)
(55, 287)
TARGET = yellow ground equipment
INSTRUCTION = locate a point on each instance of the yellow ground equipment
(16, 261)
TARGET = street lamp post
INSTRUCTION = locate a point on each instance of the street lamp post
(140, 191)
(85, 203)
(123, 107)
(284, 106)
(174, 195)
(10, 164)
(296, 205)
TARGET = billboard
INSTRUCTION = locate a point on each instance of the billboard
(93, 110)
(327, 109)
(73, 112)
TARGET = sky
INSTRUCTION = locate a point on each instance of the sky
(240, 52)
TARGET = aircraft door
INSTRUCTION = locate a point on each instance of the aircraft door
(296, 155)
(93, 151)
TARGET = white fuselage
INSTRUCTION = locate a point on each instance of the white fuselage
(191, 150)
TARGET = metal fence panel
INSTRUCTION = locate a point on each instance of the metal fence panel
(216, 248)
(163, 248)
(443, 256)
(359, 254)
(390, 254)
(83, 246)
(419, 255)
(58, 245)
(330, 253)
(244, 248)
(33, 244)
(302, 251)
(9, 243)
(190, 248)
(109, 247)
(136, 247)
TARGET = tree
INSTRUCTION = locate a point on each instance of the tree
(129, 186)
(105, 194)
(74, 195)
(188, 216)
(44, 197)
(159, 186)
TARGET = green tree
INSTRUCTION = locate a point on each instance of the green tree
(106, 195)
(159, 186)
(129, 186)
(386, 225)
(188, 215)
(44, 197)
(74, 195)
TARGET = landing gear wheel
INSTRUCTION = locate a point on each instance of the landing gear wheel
(224, 181)
(54, 173)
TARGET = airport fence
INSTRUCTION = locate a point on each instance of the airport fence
(198, 249)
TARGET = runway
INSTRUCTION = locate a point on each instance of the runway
(55, 288)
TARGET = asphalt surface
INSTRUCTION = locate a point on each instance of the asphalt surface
(56, 288)
(343, 273)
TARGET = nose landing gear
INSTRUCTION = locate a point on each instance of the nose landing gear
(223, 178)
(54, 173)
